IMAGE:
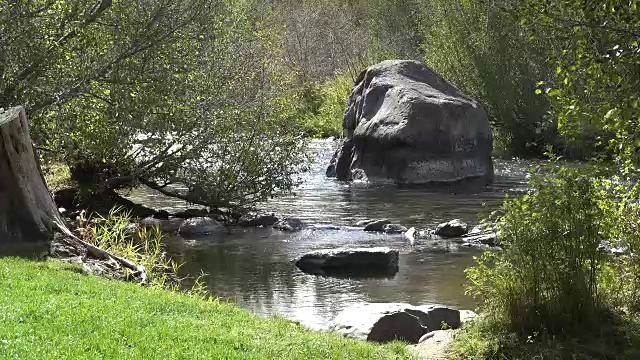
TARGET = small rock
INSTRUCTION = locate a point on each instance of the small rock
(192, 213)
(259, 220)
(200, 226)
(170, 225)
(364, 222)
(467, 316)
(394, 229)
(453, 228)
(410, 235)
(161, 214)
(377, 226)
(289, 224)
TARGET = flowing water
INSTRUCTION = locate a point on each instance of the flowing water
(254, 268)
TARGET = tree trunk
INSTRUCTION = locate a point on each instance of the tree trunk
(28, 215)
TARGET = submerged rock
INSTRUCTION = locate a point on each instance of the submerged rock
(394, 229)
(377, 225)
(384, 322)
(259, 220)
(192, 213)
(201, 226)
(405, 124)
(356, 262)
(453, 228)
(169, 226)
(289, 224)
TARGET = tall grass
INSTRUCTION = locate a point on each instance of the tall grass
(119, 234)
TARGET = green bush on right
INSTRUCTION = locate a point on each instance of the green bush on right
(567, 283)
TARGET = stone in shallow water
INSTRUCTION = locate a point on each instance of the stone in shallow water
(377, 225)
(356, 262)
(289, 224)
(453, 228)
(201, 226)
(170, 225)
(394, 229)
(259, 220)
(384, 322)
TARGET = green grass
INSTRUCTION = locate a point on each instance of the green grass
(50, 310)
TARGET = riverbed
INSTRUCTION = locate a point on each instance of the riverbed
(254, 268)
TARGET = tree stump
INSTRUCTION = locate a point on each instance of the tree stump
(28, 215)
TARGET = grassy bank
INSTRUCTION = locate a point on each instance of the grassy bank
(50, 310)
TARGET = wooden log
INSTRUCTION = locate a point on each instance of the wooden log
(28, 215)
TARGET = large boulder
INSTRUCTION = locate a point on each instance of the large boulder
(384, 322)
(356, 262)
(407, 125)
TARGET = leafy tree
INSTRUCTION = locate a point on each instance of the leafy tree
(188, 97)
(482, 49)
(597, 79)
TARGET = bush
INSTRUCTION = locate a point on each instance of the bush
(326, 106)
(547, 278)
(557, 288)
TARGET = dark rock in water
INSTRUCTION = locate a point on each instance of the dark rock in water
(201, 226)
(359, 175)
(323, 227)
(384, 322)
(364, 222)
(192, 213)
(259, 220)
(488, 238)
(169, 226)
(407, 125)
(289, 224)
(161, 214)
(340, 166)
(377, 226)
(357, 262)
(394, 229)
(453, 228)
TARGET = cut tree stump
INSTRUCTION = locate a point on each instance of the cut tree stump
(29, 218)
(28, 215)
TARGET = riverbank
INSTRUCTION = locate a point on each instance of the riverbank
(52, 310)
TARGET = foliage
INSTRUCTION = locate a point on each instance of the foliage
(52, 313)
(566, 281)
(548, 278)
(188, 93)
(594, 90)
(119, 235)
(487, 339)
(324, 118)
(57, 176)
(482, 49)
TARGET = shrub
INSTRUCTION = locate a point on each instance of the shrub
(558, 289)
(547, 278)
(324, 116)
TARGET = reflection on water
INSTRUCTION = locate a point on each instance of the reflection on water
(254, 268)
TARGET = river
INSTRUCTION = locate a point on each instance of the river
(254, 268)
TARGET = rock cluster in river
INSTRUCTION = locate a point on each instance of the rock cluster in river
(384, 322)
(405, 124)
